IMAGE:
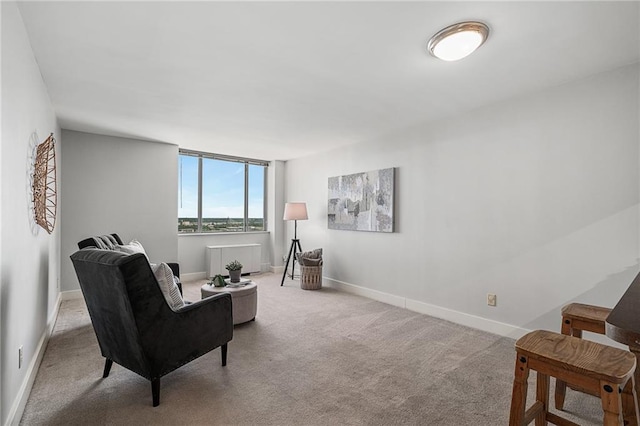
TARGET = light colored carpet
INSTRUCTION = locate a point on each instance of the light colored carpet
(311, 358)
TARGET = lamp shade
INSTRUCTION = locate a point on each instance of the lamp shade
(295, 211)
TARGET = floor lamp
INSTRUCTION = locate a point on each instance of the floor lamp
(295, 212)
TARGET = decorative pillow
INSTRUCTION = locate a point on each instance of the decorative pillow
(132, 248)
(105, 242)
(167, 284)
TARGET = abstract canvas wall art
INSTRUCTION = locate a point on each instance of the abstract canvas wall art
(362, 201)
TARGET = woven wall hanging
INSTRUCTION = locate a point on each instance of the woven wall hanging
(45, 198)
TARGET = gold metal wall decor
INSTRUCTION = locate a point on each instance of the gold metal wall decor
(45, 198)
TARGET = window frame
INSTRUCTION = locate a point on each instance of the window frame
(200, 155)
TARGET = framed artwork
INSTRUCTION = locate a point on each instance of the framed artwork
(362, 201)
(45, 199)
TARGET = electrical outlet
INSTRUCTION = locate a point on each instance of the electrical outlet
(20, 357)
(491, 299)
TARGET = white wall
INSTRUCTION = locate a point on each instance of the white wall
(30, 256)
(534, 199)
(126, 186)
(275, 209)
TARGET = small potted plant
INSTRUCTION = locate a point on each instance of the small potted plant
(235, 270)
(217, 281)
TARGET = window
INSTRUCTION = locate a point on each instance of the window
(220, 194)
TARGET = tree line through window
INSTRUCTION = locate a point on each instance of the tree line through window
(220, 194)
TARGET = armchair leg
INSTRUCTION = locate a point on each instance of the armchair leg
(107, 367)
(223, 349)
(155, 391)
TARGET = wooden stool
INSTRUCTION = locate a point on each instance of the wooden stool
(576, 318)
(600, 369)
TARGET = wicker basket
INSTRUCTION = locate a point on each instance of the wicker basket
(310, 277)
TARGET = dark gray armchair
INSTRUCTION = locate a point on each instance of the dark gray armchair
(135, 326)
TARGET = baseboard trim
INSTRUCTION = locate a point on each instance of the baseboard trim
(276, 269)
(71, 294)
(379, 296)
(193, 276)
(17, 409)
(265, 267)
(473, 321)
(469, 320)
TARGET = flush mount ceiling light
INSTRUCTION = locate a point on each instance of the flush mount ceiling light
(458, 41)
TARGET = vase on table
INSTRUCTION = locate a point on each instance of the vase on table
(234, 276)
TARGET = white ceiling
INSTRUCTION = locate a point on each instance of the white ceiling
(280, 80)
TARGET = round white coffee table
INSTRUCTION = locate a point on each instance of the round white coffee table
(244, 300)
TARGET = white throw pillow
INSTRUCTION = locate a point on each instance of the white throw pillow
(132, 248)
(166, 281)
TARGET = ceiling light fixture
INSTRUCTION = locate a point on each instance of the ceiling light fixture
(458, 40)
